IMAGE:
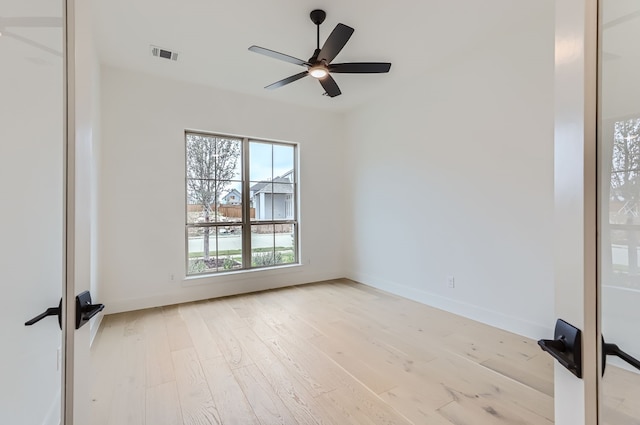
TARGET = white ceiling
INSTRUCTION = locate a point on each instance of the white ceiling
(212, 38)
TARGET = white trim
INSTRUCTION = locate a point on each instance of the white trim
(203, 292)
(470, 311)
(213, 278)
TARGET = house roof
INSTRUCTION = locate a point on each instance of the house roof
(275, 187)
(231, 192)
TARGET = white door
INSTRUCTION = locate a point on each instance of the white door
(619, 199)
(598, 170)
(31, 225)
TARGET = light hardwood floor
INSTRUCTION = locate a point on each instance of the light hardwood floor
(329, 353)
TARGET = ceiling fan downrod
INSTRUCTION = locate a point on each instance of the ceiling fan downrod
(317, 17)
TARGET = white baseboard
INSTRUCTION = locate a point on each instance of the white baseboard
(212, 290)
(490, 317)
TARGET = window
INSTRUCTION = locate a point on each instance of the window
(260, 227)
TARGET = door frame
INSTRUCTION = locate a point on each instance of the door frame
(68, 290)
(575, 200)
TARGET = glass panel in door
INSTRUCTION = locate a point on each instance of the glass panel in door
(619, 144)
(31, 184)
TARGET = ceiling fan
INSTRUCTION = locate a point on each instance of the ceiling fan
(30, 22)
(319, 65)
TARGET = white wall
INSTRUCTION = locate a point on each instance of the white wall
(142, 191)
(470, 146)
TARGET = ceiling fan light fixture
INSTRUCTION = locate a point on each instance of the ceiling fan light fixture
(318, 72)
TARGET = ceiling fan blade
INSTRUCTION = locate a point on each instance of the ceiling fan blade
(336, 41)
(360, 67)
(46, 22)
(287, 80)
(278, 55)
(330, 86)
(32, 43)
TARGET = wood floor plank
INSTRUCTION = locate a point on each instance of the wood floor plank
(353, 363)
(162, 405)
(295, 397)
(419, 405)
(228, 397)
(195, 397)
(128, 406)
(373, 350)
(159, 365)
(266, 404)
(177, 332)
(467, 410)
(221, 311)
(313, 371)
(484, 346)
(205, 344)
(518, 370)
(229, 345)
(366, 406)
(458, 375)
(106, 349)
(342, 411)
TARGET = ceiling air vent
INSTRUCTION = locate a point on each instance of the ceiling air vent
(159, 52)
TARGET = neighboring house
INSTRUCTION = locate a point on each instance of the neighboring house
(232, 198)
(273, 200)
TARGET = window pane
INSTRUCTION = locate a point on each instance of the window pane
(261, 200)
(230, 205)
(201, 201)
(228, 159)
(210, 157)
(282, 201)
(262, 245)
(285, 252)
(200, 156)
(225, 249)
(283, 162)
(229, 248)
(260, 161)
(198, 240)
(212, 163)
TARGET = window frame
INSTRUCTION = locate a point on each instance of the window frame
(246, 223)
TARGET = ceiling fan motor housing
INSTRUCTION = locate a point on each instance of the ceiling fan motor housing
(318, 16)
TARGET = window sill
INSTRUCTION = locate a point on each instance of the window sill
(212, 278)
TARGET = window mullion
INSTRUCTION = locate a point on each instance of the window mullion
(246, 206)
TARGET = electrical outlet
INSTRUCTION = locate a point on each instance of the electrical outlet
(451, 282)
(172, 277)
